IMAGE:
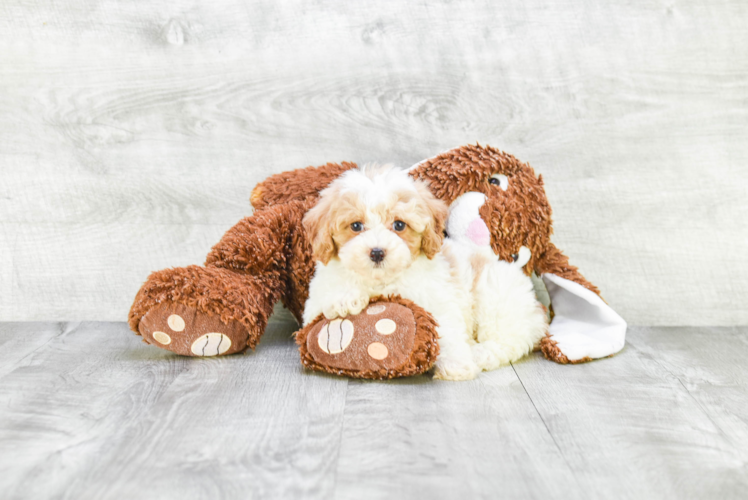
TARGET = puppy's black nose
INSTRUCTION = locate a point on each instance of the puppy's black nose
(377, 255)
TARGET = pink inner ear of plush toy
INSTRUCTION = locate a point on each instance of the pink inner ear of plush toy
(478, 232)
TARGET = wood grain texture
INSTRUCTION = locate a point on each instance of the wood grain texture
(662, 419)
(131, 134)
(89, 411)
(20, 340)
(716, 380)
(98, 414)
(418, 438)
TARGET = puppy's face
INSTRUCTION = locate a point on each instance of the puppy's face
(377, 221)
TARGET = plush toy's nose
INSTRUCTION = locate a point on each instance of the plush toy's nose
(376, 255)
(478, 232)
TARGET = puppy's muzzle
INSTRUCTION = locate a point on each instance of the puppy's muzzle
(376, 255)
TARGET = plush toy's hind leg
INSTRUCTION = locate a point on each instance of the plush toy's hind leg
(203, 311)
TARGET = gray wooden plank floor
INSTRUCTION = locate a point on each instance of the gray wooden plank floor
(88, 411)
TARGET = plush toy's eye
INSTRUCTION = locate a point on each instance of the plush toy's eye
(398, 225)
(515, 257)
(500, 180)
(357, 227)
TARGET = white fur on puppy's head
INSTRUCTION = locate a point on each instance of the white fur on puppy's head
(379, 198)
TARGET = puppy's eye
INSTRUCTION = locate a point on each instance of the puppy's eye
(500, 180)
(398, 225)
(357, 227)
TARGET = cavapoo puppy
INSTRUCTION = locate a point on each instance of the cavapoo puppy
(376, 232)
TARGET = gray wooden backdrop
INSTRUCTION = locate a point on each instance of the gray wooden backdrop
(131, 133)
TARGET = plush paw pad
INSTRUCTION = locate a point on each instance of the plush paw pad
(186, 331)
(211, 344)
(335, 336)
(383, 341)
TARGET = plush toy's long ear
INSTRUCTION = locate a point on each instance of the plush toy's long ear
(297, 184)
(584, 326)
(554, 261)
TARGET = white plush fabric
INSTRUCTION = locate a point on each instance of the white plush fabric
(465, 223)
(583, 325)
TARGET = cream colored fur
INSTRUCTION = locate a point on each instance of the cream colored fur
(508, 320)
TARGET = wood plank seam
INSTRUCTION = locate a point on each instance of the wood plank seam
(690, 395)
(548, 430)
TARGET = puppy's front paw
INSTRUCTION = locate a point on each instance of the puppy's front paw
(490, 355)
(331, 310)
(343, 305)
(455, 369)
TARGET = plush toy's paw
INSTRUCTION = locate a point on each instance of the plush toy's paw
(346, 304)
(390, 338)
(186, 331)
(455, 369)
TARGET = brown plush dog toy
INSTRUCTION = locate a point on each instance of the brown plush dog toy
(223, 307)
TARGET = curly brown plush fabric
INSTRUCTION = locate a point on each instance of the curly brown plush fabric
(551, 352)
(298, 184)
(213, 291)
(273, 245)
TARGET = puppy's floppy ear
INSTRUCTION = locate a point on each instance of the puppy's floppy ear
(317, 225)
(433, 234)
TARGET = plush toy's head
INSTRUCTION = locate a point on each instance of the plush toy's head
(485, 186)
(376, 220)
